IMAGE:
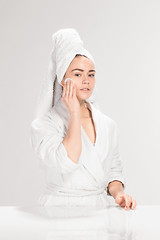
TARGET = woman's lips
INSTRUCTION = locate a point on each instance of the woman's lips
(85, 90)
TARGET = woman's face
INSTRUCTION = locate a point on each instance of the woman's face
(82, 71)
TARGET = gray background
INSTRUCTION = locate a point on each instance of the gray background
(123, 37)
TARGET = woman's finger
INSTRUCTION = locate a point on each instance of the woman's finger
(128, 201)
(124, 200)
(67, 88)
(133, 205)
(64, 90)
(74, 90)
(121, 201)
(71, 89)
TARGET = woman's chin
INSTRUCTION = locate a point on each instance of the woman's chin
(84, 97)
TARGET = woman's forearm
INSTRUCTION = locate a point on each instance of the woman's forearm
(72, 140)
(115, 187)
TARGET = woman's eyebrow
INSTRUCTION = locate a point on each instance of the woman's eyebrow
(82, 70)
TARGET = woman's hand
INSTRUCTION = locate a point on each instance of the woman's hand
(125, 201)
(69, 97)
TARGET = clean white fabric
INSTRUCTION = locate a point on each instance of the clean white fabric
(66, 43)
(83, 183)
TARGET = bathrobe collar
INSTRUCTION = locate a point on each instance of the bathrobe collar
(89, 156)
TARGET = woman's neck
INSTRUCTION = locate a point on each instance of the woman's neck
(85, 111)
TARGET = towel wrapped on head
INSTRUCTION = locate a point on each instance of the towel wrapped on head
(66, 45)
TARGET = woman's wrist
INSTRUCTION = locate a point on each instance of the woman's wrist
(115, 188)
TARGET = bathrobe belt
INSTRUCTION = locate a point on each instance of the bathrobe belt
(63, 191)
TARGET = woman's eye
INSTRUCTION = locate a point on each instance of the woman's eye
(89, 74)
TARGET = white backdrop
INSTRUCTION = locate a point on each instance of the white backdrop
(123, 36)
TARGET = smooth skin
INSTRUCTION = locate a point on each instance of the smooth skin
(74, 99)
(81, 79)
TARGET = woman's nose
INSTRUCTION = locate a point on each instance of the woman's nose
(85, 78)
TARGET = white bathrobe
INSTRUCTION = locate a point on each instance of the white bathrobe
(83, 183)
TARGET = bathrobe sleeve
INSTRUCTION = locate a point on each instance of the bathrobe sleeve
(116, 169)
(46, 140)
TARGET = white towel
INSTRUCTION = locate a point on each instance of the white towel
(66, 44)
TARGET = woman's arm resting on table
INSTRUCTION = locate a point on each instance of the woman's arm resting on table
(115, 188)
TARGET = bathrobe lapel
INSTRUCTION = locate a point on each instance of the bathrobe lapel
(90, 152)
(89, 157)
(91, 161)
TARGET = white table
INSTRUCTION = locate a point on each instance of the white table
(113, 223)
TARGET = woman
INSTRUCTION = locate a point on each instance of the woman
(77, 145)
